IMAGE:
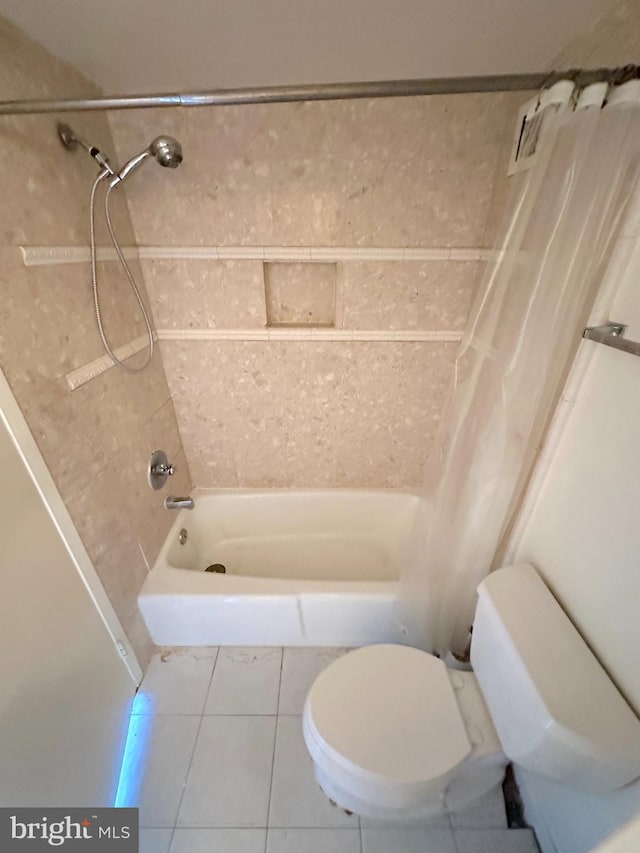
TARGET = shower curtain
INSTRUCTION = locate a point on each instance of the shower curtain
(553, 245)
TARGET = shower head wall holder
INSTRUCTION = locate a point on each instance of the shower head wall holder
(159, 469)
(70, 139)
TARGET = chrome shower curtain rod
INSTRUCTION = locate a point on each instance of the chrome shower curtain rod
(324, 91)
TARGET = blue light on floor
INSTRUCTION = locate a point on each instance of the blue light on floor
(135, 752)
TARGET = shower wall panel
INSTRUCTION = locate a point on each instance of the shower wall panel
(95, 440)
(395, 194)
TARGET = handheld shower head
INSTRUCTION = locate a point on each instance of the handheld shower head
(166, 150)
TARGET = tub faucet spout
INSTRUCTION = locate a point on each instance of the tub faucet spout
(178, 503)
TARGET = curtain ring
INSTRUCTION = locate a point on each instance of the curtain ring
(620, 76)
(575, 95)
(545, 84)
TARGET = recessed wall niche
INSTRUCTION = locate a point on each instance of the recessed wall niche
(300, 294)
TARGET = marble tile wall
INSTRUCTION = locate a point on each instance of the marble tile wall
(188, 294)
(390, 172)
(419, 295)
(291, 413)
(95, 440)
(610, 42)
(396, 173)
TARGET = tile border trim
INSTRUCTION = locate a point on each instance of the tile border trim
(82, 375)
(50, 255)
(311, 253)
(311, 334)
(39, 256)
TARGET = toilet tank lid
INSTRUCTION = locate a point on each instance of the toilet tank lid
(565, 674)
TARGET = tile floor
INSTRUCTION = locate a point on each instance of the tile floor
(226, 769)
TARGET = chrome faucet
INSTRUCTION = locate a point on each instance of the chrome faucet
(159, 469)
(178, 503)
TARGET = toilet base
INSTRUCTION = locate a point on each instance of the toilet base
(349, 802)
(460, 794)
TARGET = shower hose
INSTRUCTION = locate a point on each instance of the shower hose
(94, 277)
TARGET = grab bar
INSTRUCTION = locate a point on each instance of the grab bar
(612, 335)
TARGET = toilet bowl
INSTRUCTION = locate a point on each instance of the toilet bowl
(394, 734)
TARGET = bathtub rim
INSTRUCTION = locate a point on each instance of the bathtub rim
(162, 562)
(184, 606)
(170, 581)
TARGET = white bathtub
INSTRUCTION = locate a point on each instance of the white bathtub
(305, 568)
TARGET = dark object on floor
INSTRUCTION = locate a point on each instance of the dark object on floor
(513, 801)
(216, 567)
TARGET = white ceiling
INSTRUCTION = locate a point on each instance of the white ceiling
(129, 46)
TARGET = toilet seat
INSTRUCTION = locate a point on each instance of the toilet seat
(398, 745)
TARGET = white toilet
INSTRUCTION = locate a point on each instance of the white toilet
(394, 734)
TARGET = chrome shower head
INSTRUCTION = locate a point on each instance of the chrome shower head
(166, 150)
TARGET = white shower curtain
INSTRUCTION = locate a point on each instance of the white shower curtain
(554, 243)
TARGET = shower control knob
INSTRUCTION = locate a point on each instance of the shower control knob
(159, 469)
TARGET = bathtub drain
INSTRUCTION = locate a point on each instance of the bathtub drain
(216, 567)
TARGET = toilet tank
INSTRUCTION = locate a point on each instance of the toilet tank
(555, 709)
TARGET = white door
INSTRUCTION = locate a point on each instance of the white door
(65, 691)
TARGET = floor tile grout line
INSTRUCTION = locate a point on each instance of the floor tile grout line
(450, 822)
(273, 756)
(280, 681)
(193, 751)
(323, 827)
(215, 663)
(314, 827)
(456, 833)
(171, 714)
(223, 715)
